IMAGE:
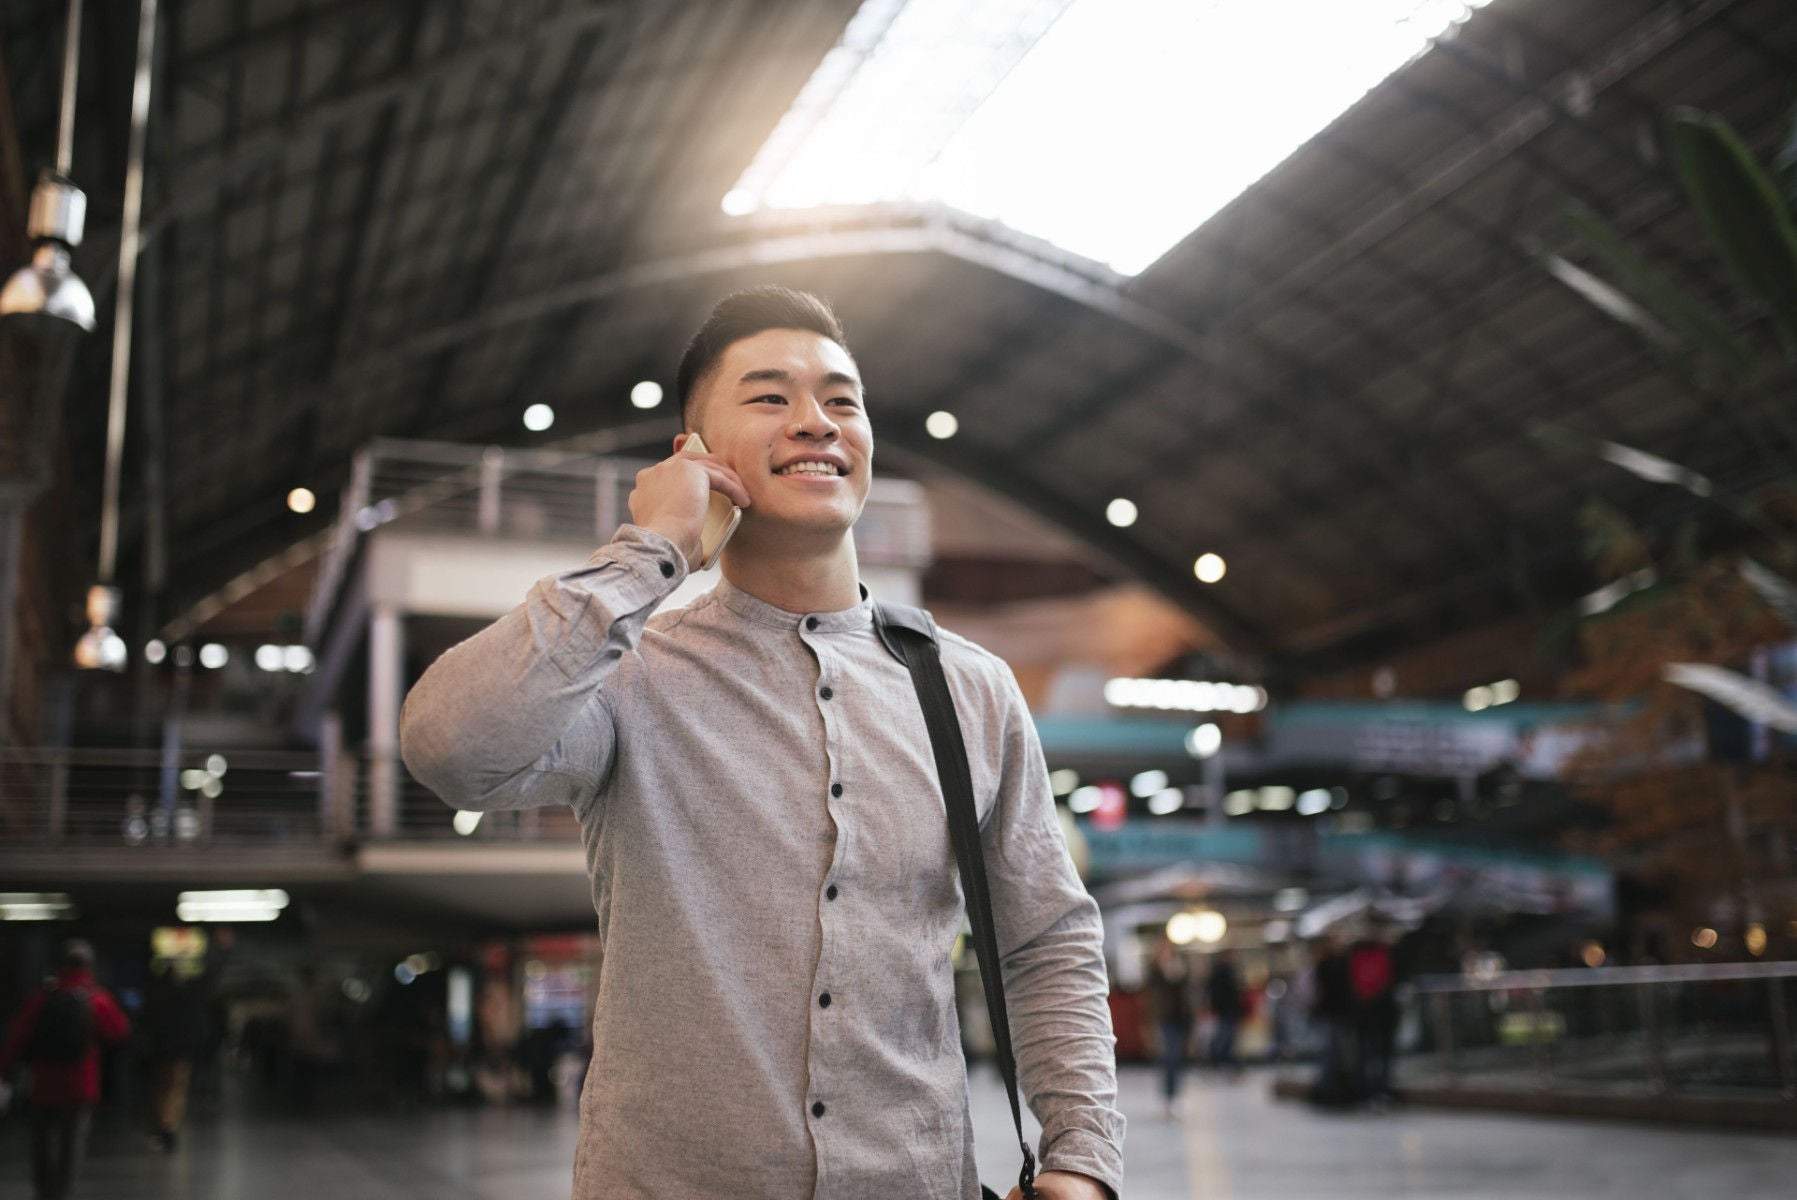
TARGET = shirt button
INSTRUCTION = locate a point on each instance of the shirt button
(836, 789)
(823, 1001)
(826, 693)
(667, 570)
(817, 1110)
(811, 623)
(830, 892)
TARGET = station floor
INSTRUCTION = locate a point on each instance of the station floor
(1228, 1142)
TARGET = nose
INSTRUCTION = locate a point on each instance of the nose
(811, 420)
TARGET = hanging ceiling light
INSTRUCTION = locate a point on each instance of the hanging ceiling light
(100, 648)
(47, 286)
(45, 309)
(130, 228)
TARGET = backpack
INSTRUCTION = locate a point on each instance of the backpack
(1369, 971)
(64, 1027)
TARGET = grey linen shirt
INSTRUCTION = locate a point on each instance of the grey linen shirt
(776, 891)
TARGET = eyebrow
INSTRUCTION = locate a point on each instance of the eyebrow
(780, 375)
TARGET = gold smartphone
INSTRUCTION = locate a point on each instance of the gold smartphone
(721, 516)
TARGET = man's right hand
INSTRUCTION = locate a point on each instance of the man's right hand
(670, 497)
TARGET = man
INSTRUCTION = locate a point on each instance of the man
(1169, 991)
(1223, 994)
(1373, 981)
(1338, 1067)
(174, 1032)
(767, 840)
(58, 1034)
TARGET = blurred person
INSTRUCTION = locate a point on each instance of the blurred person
(1169, 989)
(1332, 1008)
(1223, 996)
(498, 1060)
(1372, 978)
(763, 823)
(305, 1043)
(57, 1035)
(175, 1032)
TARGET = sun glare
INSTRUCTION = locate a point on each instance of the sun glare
(1112, 128)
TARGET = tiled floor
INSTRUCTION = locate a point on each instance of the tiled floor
(1230, 1143)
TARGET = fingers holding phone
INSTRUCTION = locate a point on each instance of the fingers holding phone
(688, 496)
(722, 513)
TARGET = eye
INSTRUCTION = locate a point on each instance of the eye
(847, 401)
(770, 398)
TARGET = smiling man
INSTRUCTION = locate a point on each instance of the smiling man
(770, 860)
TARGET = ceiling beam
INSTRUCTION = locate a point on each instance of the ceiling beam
(1516, 128)
(206, 171)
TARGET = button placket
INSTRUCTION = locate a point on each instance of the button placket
(824, 1035)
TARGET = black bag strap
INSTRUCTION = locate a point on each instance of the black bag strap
(910, 635)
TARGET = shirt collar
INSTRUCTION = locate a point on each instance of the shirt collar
(762, 613)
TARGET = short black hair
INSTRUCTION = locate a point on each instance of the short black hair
(745, 314)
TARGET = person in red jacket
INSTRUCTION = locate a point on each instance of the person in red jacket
(58, 1034)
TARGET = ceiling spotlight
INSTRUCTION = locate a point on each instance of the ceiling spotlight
(213, 656)
(1084, 799)
(301, 500)
(941, 425)
(1209, 568)
(538, 417)
(1276, 798)
(155, 651)
(1147, 784)
(1166, 802)
(646, 394)
(1120, 512)
(268, 658)
(1204, 740)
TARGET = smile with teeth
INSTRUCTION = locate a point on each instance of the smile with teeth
(810, 468)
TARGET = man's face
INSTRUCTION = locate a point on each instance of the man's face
(783, 408)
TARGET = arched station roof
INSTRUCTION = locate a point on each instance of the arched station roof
(414, 219)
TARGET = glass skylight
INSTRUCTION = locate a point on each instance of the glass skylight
(1112, 128)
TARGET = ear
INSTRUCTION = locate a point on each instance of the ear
(680, 440)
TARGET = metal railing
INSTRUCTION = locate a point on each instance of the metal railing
(1714, 1030)
(541, 495)
(99, 798)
